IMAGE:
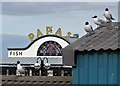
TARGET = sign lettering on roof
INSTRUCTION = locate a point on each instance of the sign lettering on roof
(43, 46)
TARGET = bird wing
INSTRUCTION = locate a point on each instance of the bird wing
(91, 27)
(111, 17)
(101, 21)
(23, 68)
(104, 14)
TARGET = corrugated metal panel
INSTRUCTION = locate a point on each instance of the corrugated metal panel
(104, 38)
(97, 68)
(29, 60)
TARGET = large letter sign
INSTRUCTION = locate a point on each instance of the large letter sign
(47, 45)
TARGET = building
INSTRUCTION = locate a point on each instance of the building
(95, 57)
(49, 46)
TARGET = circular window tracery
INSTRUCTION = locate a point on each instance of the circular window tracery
(50, 48)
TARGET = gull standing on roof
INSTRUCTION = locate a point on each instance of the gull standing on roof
(98, 22)
(108, 15)
(20, 69)
(88, 28)
(107, 21)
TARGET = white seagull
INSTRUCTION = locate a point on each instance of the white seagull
(108, 15)
(20, 69)
(88, 28)
(107, 21)
(98, 22)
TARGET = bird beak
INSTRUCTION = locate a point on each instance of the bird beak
(92, 17)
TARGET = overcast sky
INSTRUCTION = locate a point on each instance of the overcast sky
(60, 0)
(22, 18)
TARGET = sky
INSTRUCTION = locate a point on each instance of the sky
(59, 0)
(21, 18)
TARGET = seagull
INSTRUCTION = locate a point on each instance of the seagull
(108, 15)
(98, 22)
(107, 21)
(88, 28)
(20, 69)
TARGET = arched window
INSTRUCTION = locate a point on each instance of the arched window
(50, 48)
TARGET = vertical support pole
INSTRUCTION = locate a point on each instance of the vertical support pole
(30, 72)
(42, 67)
(7, 72)
(62, 72)
(40, 73)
